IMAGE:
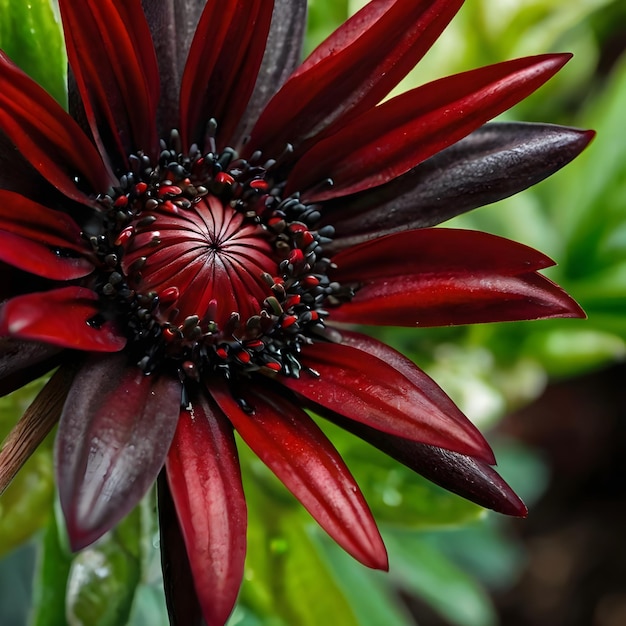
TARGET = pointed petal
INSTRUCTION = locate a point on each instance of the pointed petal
(40, 240)
(42, 259)
(394, 137)
(205, 483)
(354, 69)
(282, 55)
(222, 67)
(494, 162)
(45, 134)
(23, 361)
(110, 51)
(295, 449)
(464, 475)
(445, 277)
(32, 428)
(183, 606)
(172, 23)
(60, 317)
(367, 389)
(115, 430)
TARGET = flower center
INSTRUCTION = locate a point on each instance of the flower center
(205, 261)
(206, 266)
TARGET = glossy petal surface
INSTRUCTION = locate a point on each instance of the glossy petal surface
(355, 68)
(182, 601)
(113, 61)
(219, 77)
(295, 449)
(438, 277)
(60, 317)
(394, 137)
(44, 133)
(362, 387)
(205, 483)
(39, 240)
(464, 475)
(494, 162)
(115, 430)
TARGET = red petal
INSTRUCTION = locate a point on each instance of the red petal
(373, 391)
(438, 277)
(115, 430)
(47, 136)
(205, 483)
(222, 66)
(182, 601)
(40, 259)
(459, 473)
(390, 139)
(354, 69)
(295, 449)
(110, 51)
(60, 317)
(40, 240)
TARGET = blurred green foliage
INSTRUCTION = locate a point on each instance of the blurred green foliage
(30, 35)
(443, 549)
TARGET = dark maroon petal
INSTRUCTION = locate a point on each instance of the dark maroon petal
(23, 361)
(464, 475)
(282, 55)
(461, 474)
(110, 50)
(390, 139)
(205, 483)
(172, 23)
(355, 68)
(115, 430)
(182, 601)
(295, 449)
(222, 67)
(494, 162)
(438, 277)
(60, 317)
(365, 388)
(33, 427)
(40, 240)
(47, 136)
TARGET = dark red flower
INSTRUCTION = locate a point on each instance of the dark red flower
(184, 260)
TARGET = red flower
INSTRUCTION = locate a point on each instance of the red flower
(189, 281)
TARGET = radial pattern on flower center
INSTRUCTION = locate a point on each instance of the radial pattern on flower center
(206, 265)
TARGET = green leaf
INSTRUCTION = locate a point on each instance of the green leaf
(30, 34)
(94, 587)
(324, 17)
(421, 569)
(102, 578)
(370, 593)
(51, 579)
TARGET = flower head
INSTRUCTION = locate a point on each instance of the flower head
(191, 245)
